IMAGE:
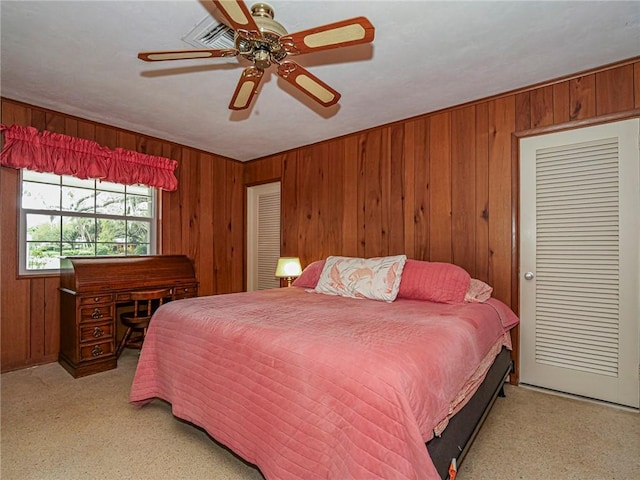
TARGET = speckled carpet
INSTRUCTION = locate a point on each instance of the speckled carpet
(55, 427)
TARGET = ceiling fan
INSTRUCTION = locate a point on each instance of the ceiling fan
(264, 42)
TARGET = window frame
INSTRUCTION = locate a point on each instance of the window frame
(153, 221)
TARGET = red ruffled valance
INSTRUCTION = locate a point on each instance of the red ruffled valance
(26, 147)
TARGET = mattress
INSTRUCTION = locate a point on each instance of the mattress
(306, 385)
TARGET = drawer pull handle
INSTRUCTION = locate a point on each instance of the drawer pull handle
(96, 351)
(96, 313)
(96, 299)
(98, 332)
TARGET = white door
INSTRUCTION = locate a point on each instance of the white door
(263, 236)
(580, 262)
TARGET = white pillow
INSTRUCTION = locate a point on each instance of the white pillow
(374, 278)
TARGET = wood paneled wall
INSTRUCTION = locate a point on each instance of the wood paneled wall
(204, 219)
(439, 187)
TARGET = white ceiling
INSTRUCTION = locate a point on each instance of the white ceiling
(80, 58)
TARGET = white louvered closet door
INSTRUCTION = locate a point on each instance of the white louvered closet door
(580, 262)
(263, 236)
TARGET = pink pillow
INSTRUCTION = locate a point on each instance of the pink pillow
(478, 292)
(310, 275)
(434, 281)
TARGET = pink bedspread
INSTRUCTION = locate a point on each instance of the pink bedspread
(308, 386)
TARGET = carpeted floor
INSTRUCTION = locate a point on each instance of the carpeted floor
(55, 427)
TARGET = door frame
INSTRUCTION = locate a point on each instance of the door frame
(515, 210)
(252, 193)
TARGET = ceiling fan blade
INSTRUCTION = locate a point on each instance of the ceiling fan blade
(340, 34)
(308, 83)
(246, 89)
(239, 17)
(186, 54)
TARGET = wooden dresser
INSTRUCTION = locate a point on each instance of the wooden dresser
(92, 289)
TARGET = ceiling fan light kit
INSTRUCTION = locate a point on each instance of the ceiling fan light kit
(264, 42)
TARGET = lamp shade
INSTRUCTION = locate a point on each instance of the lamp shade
(288, 267)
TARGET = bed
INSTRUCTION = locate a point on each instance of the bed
(310, 385)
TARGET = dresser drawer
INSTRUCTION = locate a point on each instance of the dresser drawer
(96, 331)
(186, 291)
(96, 299)
(99, 312)
(98, 350)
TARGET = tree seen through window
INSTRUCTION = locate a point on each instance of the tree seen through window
(65, 216)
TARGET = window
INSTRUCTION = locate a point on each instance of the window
(64, 216)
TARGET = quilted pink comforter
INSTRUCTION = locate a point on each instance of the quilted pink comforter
(308, 386)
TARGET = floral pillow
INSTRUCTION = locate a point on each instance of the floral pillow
(374, 278)
(310, 275)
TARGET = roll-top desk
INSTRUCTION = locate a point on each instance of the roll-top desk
(91, 288)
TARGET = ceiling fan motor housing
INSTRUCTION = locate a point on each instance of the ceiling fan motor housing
(263, 50)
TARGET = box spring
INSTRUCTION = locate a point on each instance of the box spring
(463, 427)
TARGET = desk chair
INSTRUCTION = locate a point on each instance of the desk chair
(145, 303)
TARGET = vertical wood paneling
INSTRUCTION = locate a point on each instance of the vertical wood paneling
(481, 208)
(71, 126)
(397, 205)
(636, 84)
(290, 223)
(189, 220)
(421, 220)
(440, 188)
(582, 97)
(54, 122)
(308, 194)
(350, 211)
(408, 189)
(16, 114)
(375, 193)
(29, 307)
(322, 216)
(15, 294)
(171, 238)
(542, 107)
(107, 137)
(360, 191)
(86, 130)
(501, 126)
(614, 91)
(235, 228)
(206, 207)
(39, 119)
(561, 103)
(172, 214)
(437, 187)
(36, 318)
(523, 109)
(220, 243)
(263, 170)
(332, 198)
(52, 316)
(463, 192)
